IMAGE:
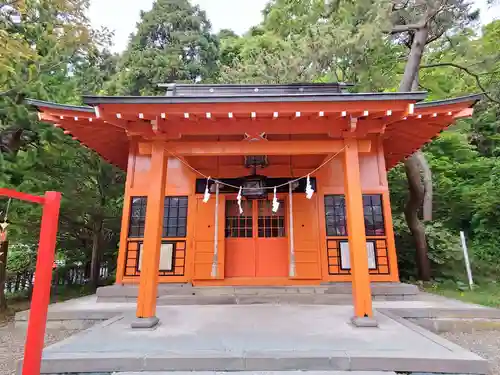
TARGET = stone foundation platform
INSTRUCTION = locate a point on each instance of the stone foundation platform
(329, 294)
(258, 338)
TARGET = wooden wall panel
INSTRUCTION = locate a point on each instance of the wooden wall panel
(204, 231)
(306, 241)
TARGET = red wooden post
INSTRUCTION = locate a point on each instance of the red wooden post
(41, 290)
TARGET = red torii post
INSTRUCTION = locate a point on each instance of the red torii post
(40, 299)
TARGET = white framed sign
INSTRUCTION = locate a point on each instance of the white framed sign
(345, 256)
(166, 256)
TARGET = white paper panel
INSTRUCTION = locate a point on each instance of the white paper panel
(166, 256)
(370, 248)
(345, 256)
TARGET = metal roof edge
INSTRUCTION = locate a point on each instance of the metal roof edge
(246, 85)
(460, 99)
(304, 97)
(41, 103)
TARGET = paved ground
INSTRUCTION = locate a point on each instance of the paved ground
(258, 337)
(484, 343)
(12, 345)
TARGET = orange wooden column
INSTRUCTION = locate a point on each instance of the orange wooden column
(122, 251)
(148, 285)
(363, 312)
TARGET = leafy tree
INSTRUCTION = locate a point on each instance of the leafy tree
(173, 43)
(34, 157)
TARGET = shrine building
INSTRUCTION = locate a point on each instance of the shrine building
(253, 185)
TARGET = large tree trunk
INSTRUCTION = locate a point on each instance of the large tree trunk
(95, 265)
(427, 180)
(413, 165)
(3, 274)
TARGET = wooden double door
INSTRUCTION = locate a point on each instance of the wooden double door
(256, 241)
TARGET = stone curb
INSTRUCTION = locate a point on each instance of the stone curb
(292, 361)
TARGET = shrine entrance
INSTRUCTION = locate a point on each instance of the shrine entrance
(256, 241)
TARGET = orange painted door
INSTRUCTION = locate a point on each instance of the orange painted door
(240, 243)
(271, 241)
(256, 242)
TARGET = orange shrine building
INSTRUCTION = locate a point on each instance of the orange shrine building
(256, 184)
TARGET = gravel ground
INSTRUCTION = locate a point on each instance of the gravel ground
(12, 344)
(484, 343)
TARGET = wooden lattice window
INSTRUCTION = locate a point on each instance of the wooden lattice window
(239, 225)
(137, 217)
(175, 217)
(271, 224)
(374, 217)
(335, 215)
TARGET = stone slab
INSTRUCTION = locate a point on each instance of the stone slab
(364, 321)
(259, 338)
(125, 293)
(261, 373)
(145, 323)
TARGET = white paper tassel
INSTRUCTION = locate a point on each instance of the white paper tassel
(206, 196)
(309, 189)
(276, 204)
(238, 198)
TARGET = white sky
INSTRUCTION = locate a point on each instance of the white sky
(121, 16)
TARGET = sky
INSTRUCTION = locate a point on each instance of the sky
(121, 16)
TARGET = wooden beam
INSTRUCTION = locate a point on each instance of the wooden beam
(173, 128)
(254, 148)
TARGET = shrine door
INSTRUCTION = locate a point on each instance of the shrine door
(256, 241)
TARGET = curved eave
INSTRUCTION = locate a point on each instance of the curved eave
(62, 107)
(403, 138)
(82, 125)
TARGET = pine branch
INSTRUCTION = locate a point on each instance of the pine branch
(466, 70)
(396, 29)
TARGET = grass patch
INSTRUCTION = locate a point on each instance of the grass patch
(486, 294)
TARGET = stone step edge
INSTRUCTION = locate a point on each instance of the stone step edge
(344, 361)
(257, 373)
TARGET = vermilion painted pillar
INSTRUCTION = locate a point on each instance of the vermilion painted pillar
(122, 251)
(363, 312)
(41, 289)
(148, 285)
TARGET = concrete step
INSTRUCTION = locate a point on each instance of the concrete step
(259, 373)
(380, 291)
(441, 325)
(307, 299)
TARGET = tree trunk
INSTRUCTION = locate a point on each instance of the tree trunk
(413, 165)
(427, 180)
(95, 265)
(3, 274)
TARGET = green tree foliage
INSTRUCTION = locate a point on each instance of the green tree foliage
(173, 43)
(317, 40)
(64, 59)
(298, 41)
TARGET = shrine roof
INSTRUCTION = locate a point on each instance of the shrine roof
(198, 112)
(257, 98)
